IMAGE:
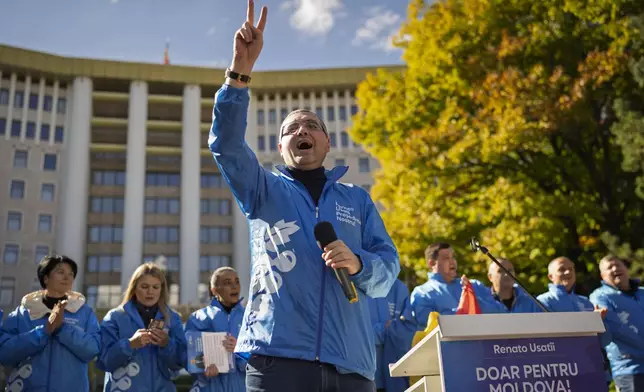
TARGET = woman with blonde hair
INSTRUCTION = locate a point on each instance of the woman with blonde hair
(143, 343)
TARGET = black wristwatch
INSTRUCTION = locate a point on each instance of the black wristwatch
(237, 76)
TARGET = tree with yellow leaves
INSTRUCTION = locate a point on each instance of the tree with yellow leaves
(505, 125)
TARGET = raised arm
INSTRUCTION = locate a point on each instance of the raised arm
(237, 163)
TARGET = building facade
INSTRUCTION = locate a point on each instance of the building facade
(107, 162)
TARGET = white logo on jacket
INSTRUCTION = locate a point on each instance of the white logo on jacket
(265, 245)
(346, 215)
(16, 380)
(122, 377)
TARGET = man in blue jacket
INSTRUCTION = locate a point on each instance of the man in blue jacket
(442, 291)
(299, 331)
(508, 293)
(624, 300)
(394, 328)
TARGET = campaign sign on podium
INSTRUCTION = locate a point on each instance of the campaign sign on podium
(557, 364)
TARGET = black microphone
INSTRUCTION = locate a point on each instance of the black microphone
(476, 246)
(325, 234)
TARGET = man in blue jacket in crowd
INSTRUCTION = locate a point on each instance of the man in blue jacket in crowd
(299, 331)
(442, 291)
(624, 301)
(508, 293)
(394, 328)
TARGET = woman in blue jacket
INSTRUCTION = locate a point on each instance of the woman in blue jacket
(49, 339)
(224, 314)
(143, 343)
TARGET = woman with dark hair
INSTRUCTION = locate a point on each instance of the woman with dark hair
(143, 343)
(52, 336)
(224, 314)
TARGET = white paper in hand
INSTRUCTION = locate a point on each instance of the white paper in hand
(214, 352)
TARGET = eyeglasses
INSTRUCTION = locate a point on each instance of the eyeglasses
(293, 127)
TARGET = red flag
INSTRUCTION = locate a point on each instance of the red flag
(468, 303)
(166, 53)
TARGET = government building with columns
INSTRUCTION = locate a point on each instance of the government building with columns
(107, 162)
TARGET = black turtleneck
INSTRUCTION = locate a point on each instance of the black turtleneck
(146, 313)
(313, 180)
(50, 302)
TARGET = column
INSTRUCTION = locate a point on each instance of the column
(241, 230)
(25, 108)
(190, 195)
(41, 101)
(12, 96)
(74, 185)
(338, 123)
(134, 180)
(54, 111)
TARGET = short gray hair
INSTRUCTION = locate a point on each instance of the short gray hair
(297, 111)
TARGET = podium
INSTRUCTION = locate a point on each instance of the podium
(527, 352)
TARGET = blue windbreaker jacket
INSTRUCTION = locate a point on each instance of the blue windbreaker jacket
(213, 318)
(49, 363)
(625, 321)
(296, 307)
(148, 369)
(522, 302)
(395, 340)
(436, 295)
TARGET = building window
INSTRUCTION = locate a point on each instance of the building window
(354, 110)
(166, 263)
(261, 143)
(319, 112)
(58, 135)
(272, 141)
(215, 235)
(4, 96)
(20, 159)
(31, 130)
(334, 139)
(110, 178)
(272, 116)
(7, 291)
(50, 162)
(19, 99)
(14, 221)
(11, 254)
(40, 253)
(260, 116)
(33, 101)
(342, 113)
(47, 103)
(104, 263)
(330, 113)
(15, 128)
(47, 192)
(107, 205)
(106, 234)
(339, 162)
(162, 205)
(44, 132)
(3, 125)
(344, 139)
(17, 190)
(104, 296)
(211, 263)
(283, 114)
(44, 223)
(161, 179)
(161, 234)
(215, 207)
(363, 164)
(212, 181)
(62, 105)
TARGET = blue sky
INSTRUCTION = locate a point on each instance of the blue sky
(299, 33)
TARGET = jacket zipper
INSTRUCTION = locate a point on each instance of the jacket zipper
(51, 349)
(321, 308)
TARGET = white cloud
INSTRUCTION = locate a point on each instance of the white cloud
(313, 17)
(378, 29)
(211, 31)
(114, 1)
(221, 63)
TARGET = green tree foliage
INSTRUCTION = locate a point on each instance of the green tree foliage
(512, 121)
